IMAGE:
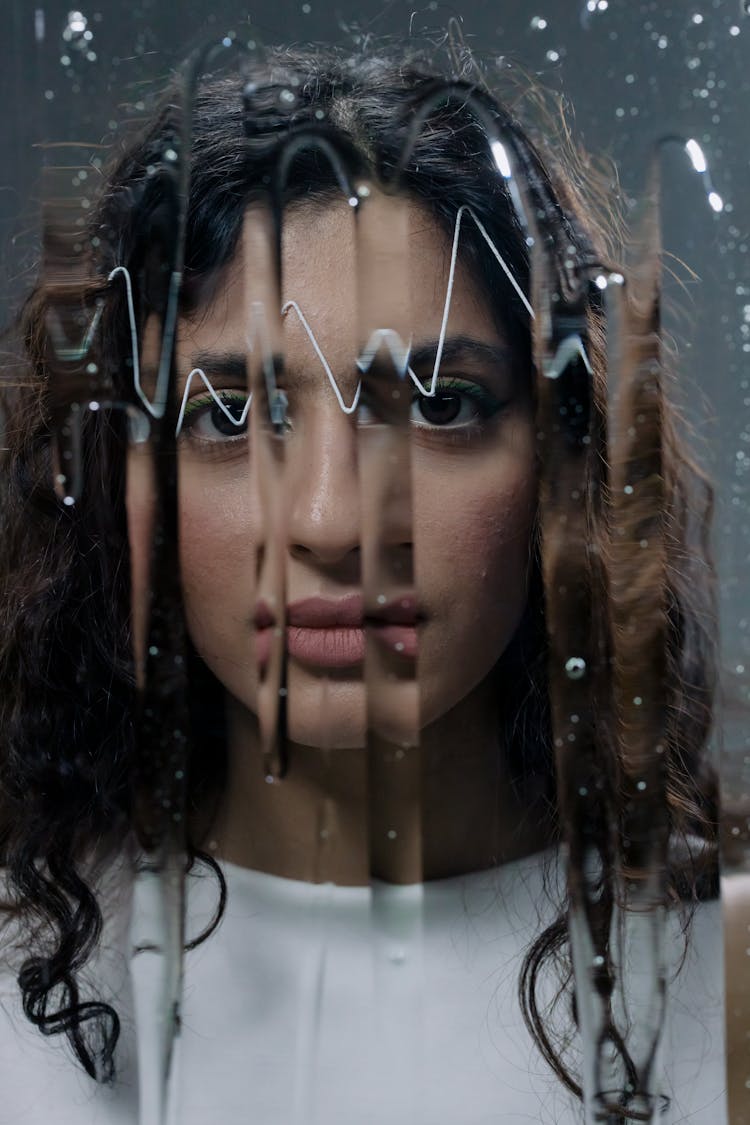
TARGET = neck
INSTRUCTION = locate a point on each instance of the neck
(344, 816)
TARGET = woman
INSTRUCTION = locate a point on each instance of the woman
(421, 615)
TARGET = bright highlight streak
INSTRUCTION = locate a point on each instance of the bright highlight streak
(717, 203)
(501, 159)
(695, 152)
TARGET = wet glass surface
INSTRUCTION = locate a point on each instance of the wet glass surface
(358, 539)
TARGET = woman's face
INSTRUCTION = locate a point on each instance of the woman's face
(472, 476)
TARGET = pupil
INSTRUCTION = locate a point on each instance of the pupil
(225, 425)
(441, 409)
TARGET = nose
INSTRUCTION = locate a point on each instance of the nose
(343, 495)
(324, 508)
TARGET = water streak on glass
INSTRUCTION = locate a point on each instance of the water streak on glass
(387, 553)
(638, 622)
(267, 470)
(395, 795)
(598, 337)
(162, 723)
(572, 443)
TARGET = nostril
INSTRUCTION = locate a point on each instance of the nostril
(342, 564)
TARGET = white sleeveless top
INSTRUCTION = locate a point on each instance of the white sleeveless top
(322, 1005)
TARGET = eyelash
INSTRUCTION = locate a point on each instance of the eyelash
(198, 407)
(486, 406)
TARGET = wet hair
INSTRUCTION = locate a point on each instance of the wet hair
(67, 688)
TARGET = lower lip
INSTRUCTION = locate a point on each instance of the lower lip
(338, 647)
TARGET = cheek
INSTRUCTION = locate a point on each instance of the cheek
(217, 555)
(472, 535)
(472, 540)
(478, 558)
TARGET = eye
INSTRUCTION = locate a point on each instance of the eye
(456, 404)
(216, 418)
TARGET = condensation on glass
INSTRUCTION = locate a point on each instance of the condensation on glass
(603, 329)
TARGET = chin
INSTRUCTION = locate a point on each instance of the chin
(337, 713)
(325, 712)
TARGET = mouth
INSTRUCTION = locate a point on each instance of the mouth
(332, 632)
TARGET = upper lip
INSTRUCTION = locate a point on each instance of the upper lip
(349, 612)
(326, 613)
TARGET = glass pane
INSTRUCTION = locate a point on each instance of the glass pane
(374, 520)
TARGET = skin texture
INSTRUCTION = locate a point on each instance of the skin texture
(466, 546)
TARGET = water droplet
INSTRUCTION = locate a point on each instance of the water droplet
(392, 833)
(697, 156)
(637, 700)
(539, 23)
(575, 668)
(641, 786)
(77, 22)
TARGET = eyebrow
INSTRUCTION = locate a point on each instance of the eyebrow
(229, 365)
(462, 349)
(232, 366)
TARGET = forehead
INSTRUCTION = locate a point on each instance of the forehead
(398, 264)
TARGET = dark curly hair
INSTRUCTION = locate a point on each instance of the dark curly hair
(67, 685)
